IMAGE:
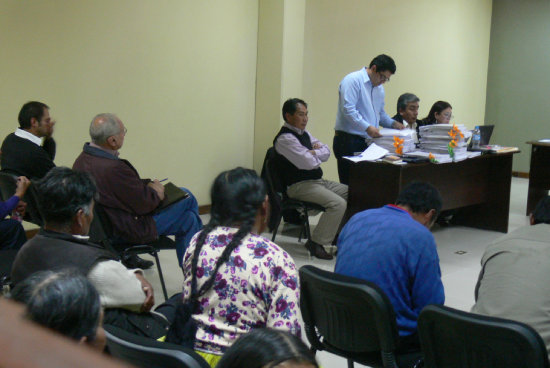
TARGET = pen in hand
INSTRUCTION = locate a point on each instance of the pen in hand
(160, 181)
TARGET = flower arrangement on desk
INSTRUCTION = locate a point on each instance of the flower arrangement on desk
(455, 135)
(398, 144)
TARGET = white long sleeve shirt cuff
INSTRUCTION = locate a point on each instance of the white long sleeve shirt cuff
(118, 287)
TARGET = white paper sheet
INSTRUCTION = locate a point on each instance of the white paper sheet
(372, 153)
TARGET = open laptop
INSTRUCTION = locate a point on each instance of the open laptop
(486, 131)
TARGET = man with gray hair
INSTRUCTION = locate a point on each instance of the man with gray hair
(66, 199)
(131, 203)
(407, 110)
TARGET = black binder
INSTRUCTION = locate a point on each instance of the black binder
(172, 194)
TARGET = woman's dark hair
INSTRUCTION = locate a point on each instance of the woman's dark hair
(63, 301)
(436, 108)
(266, 347)
(236, 196)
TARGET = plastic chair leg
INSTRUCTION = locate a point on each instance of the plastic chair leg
(276, 228)
(161, 276)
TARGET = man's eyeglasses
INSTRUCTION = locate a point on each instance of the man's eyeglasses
(383, 78)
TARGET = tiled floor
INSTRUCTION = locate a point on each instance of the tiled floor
(459, 271)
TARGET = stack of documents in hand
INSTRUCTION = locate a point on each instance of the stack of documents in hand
(386, 140)
(435, 138)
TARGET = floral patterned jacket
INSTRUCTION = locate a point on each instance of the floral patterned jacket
(257, 287)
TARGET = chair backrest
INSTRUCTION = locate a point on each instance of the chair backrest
(100, 228)
(7, 185)
(274, 188)
(270, 173)
(346, 314)
(147, 353)
(33, 208)
(452, 338)
(7, 189)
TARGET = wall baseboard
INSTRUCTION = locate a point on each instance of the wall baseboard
(520, 174)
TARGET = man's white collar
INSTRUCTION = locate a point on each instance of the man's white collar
(28, 136)
(292, 127)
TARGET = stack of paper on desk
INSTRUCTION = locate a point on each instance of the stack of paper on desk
(442, 158)
(372, 153)
(435, 138)
(386, 141)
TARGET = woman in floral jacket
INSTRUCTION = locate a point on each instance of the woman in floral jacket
(242, 280)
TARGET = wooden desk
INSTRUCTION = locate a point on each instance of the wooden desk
(539, 174)
(478, 187)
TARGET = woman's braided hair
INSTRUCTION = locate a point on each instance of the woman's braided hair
(236, 196)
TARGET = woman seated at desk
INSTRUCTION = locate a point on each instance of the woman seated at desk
(440, 113)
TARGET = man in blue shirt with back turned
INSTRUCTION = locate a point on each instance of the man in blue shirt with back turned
(393, 247)
(361, 111)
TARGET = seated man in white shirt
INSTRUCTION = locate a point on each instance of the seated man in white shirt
(298, 159)
(30, 151)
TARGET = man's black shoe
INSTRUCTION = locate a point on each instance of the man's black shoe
(134, 261)
(317, 250)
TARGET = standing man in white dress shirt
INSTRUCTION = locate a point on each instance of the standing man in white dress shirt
(361, 111)
(30, 151)
(298, 158)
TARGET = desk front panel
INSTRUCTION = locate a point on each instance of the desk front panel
(479, 187)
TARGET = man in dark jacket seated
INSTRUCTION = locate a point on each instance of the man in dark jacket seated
(131, 203)
(30, 150)
(66, 199)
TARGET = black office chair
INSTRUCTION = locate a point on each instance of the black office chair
(148, 353)
(452, 338)
(281, 203)
(7, 190)
(101, 232)
(351, 318)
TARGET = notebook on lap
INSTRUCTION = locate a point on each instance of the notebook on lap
(172, 194)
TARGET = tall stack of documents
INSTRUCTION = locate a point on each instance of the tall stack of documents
(435, 138)
(386, 140)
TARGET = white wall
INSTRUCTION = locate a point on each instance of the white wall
(179, 73)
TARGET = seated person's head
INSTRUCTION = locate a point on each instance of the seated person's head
(65, 302)
(66, 200)
(295, 113)
(239, 199)
(268, 348)
(407, 107)
(541, 214)
(35, 117)
(107, 131)
(440, 113)
(422, 200)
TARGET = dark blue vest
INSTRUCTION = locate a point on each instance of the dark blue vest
(287, 171)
